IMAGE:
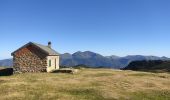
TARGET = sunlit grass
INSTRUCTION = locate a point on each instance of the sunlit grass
(87, 84)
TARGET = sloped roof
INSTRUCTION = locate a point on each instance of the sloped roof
(46, 49)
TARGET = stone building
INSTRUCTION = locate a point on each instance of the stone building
(34, 57)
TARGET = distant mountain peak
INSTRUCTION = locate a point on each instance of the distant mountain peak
(84, 52)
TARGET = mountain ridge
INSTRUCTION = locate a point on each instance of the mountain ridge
(95, 60)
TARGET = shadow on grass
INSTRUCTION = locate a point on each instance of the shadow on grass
(6, 71)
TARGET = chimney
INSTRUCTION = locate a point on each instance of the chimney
(49, 44)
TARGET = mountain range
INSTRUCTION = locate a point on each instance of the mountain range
(95, 60)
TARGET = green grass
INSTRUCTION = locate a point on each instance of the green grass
(87, 84)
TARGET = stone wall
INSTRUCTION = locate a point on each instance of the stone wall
(30, 59)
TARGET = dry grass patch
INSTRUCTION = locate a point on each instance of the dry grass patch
(88, 84)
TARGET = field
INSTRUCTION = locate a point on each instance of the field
(87, 84)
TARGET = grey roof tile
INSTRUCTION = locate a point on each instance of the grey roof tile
(50, 51)
(46, 49)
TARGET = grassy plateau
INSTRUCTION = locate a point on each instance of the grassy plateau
(87, 84)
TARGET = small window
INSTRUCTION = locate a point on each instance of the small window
(49, 63)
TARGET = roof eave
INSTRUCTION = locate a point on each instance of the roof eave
(30, 43)
(12, 54)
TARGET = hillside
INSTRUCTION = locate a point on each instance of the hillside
(87, 84)
(6, 62)
(94, 60)
(154, 66)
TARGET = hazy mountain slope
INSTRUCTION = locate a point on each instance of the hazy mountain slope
(6, 62)
(86, 58)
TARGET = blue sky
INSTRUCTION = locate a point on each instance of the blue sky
(108, 27)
